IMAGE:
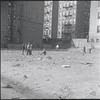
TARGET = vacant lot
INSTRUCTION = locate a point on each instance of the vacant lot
(59, 74)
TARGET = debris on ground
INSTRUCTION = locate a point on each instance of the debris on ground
(69, 58)
(16, 98)
(64, 93)
(66, 66)
(35, 83)
(47, 79)
(49, 57)
(87, 63)
(16, 65)
(93, 93)
(54, 63)
(7, 86)
(25, 76)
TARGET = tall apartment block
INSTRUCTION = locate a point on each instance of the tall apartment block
(94, 29)
(36, 21)
(4, 23)
(66, 19)
(22, 22)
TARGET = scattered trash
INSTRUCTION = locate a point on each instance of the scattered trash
(69, 58)
(29, 61)
(99, 85)
(47, 79)
(93, 93)
(54, 63)
(49, 57)
(16, 83)
(35, 83)
(63, 58)
(66, 66)
(64, 93)
(40, 58)
(36, 89)
(17, 60)
(16, 65)
(7, 86)
(87, 63)
(16, 98)
(25, 76)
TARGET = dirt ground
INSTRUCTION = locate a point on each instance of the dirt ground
(59, 74)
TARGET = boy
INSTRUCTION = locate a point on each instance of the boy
(84, 50)
(23, 48)
(28, 48)
(44, 52)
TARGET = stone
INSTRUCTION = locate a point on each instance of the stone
(66, 66)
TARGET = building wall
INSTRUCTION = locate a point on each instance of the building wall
(4, 22)
(33, 22)
(82, 19)
(27, 18)
(55, 19)
(94, 21)
(47, 27)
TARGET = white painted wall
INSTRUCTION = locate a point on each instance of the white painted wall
(94, 21)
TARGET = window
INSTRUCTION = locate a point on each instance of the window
(74, 2)
(71, 11)
(14, 7)
(74, 10)
(60, 5)
(98, 15)
(64, 4)
(73, 20)
(67, 4)
(71, 3)
(66, 21)
(98, 29)
(8, 16)
(63, 13)
(14, 17)
(8, 26)
(9, 4)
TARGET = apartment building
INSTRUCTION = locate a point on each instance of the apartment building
(22, 22)
(94, 29)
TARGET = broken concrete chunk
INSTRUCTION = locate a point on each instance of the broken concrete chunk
(49, 57)
(16, 98)
(25, 76)
(16, 65)
(35, 83)
(7, 86)
(47, 79)
(66, 66)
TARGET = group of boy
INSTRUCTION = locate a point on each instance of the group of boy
(84, 50)
(27, 48)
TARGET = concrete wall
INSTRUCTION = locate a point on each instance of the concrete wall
(82, 19)
(4, 22)
(55, 19)
(80, 42)
(94, 21)
(33, 22)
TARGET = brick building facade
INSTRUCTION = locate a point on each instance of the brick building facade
(23, 22)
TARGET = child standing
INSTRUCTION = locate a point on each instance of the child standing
(84, 50)
(23, 48)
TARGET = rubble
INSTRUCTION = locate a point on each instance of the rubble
(16, 65)
(25, 76)
(7, 86)
(49, 57)
(64, 93)
(66, 66)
